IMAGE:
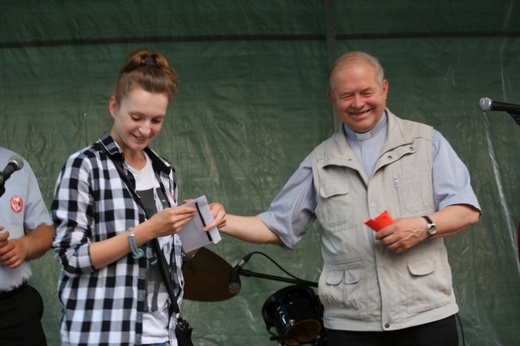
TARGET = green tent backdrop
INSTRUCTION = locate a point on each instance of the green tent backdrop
(252, 104)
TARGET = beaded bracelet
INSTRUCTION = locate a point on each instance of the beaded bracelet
(136, 252)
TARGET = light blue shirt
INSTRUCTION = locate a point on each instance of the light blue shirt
(291, 213)
(21, 208)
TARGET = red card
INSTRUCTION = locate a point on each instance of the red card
(380, 222)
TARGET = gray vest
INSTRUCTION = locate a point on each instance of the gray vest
(363, 285)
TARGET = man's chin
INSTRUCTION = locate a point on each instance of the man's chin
(361, 126)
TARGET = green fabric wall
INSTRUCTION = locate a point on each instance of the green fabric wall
(252, 104)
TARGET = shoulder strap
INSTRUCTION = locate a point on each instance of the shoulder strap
(155, 243)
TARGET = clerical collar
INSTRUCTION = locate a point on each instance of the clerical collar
(381, 124)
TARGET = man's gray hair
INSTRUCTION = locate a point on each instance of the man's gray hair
(358, 56)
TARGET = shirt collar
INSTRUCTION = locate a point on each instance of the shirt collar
(381, 124)
(117, 154)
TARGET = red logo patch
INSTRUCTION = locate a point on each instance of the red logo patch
(16, 204)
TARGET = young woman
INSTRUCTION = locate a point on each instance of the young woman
(110, 284)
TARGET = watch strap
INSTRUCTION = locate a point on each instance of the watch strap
(431, 228)
(428, 220)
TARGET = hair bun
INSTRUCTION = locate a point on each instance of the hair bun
(150, 60)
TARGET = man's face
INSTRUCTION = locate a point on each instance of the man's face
(358, 99)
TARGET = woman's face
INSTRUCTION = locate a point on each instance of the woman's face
(137, 119)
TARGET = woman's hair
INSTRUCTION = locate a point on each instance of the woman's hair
(148, 70)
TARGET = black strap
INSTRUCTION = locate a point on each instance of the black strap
(174, 306)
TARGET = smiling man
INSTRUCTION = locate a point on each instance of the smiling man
(387, 288)
(358, 91)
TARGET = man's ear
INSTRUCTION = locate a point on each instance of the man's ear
(330, 95)
(385, 87)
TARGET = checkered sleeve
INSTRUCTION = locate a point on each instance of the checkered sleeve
(91, 203)
(72, 216)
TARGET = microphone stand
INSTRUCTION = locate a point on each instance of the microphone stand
(249, 273)
(515, 115)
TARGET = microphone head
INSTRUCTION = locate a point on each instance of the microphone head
(234, 287)
(15, 163)
(17, 160)
(234, 280)
(485, 104)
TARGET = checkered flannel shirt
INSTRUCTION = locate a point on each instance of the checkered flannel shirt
(92, 203)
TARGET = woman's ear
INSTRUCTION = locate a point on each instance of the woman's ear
(112, 106)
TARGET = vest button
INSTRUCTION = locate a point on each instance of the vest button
(387, 325)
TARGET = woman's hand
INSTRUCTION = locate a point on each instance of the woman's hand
(171, 220)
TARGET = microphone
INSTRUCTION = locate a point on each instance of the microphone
(15, 163)
(234, 275)
(486, 104)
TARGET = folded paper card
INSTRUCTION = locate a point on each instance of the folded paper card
(384, 219)
(192, 234)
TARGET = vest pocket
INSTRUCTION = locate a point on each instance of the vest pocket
(428, 288)
(333, 210)
(341, 291)
(413, 185)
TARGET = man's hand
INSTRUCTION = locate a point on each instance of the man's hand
(12, 252)
(219, 216)
(403, 234)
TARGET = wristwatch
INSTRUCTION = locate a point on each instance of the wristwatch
(431, 228)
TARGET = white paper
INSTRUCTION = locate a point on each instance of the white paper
(192, 235)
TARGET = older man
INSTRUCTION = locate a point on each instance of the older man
(394, 286)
